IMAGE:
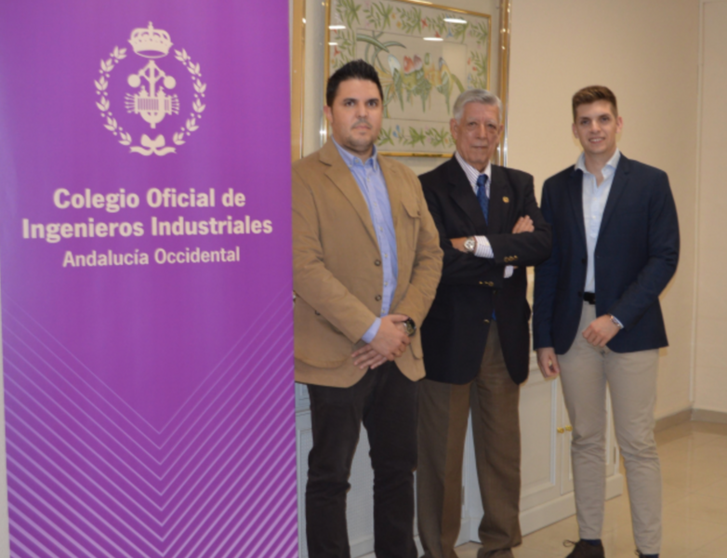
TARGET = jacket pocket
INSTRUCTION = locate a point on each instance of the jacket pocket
(411, 232)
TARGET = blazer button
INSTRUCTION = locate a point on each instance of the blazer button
(378, 298)
(377, 262)
(487, 321)
(583, 261)
(317, 313)
(482, 282)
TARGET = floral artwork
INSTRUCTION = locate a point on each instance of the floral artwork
(425, 56)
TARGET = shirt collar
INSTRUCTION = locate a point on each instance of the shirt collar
(610, 165)
(471, 172)
(351, 160)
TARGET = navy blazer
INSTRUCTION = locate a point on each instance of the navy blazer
(455, 331)
(635, 257)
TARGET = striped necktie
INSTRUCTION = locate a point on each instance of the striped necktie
(482, 196)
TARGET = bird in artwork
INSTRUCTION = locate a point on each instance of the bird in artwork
(396, 87)
(447, 81)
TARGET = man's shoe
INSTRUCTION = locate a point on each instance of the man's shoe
(646, 555)
(585, 550)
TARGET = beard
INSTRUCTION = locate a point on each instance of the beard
(358, 143)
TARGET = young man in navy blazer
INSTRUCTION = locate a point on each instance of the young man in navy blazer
(597, 318)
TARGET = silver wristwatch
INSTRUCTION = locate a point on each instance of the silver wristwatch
(470, 244)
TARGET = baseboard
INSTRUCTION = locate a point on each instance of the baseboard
(705, 415)
(688, 415)
(675, 419)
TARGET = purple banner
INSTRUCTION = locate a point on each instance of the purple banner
(146, 282)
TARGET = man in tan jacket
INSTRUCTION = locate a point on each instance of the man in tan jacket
(366, 264)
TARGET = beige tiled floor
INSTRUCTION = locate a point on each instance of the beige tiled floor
(694, 471)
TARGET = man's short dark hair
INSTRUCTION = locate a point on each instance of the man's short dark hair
(594, 93)
(356, 69)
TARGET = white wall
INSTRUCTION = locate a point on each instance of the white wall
(646, 51)
(711, 369)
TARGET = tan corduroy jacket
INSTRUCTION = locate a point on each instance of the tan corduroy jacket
(337, 272)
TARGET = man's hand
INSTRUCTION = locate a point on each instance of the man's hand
(548, 362)
(524, 224)
(367, 357)
(458, 243)
(389, 343)
(600, 331)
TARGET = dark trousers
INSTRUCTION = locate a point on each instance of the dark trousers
(492, 398)
(386, 402)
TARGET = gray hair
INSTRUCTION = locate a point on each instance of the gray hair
(476, 96)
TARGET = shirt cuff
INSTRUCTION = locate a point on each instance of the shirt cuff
(483, 248)
(372, 331)
(509, 270)
(618, 322)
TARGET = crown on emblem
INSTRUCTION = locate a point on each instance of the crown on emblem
(149, 42)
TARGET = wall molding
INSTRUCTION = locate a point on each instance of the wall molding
(690, 415)
(675, 419)
(707, 415)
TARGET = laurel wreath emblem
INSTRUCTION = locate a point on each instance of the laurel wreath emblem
(104, 105)
(199, 88)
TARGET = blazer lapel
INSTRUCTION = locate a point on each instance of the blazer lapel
(499, 189)
(620, 180)
(575, 191)
(463, 195)
(339, 173)
(391, 177)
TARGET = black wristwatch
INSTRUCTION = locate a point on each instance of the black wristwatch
(411, 327)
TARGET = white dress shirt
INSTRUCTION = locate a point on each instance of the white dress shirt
(594, 204)
(483, 249)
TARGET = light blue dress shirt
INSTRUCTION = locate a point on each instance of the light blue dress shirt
(594, 204)
(371, 181)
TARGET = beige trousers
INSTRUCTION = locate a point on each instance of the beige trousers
(493, 398)
(631, 379)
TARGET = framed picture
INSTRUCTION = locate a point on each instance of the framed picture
(426, 55)
(311, 65)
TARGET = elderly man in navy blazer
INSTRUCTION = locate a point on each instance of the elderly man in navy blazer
(476, 339)
(597, 319)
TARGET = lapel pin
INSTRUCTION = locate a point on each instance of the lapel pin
(505, 199)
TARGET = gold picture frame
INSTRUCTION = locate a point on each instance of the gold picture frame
(297, 78)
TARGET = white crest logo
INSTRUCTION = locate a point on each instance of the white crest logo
(152, 99)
